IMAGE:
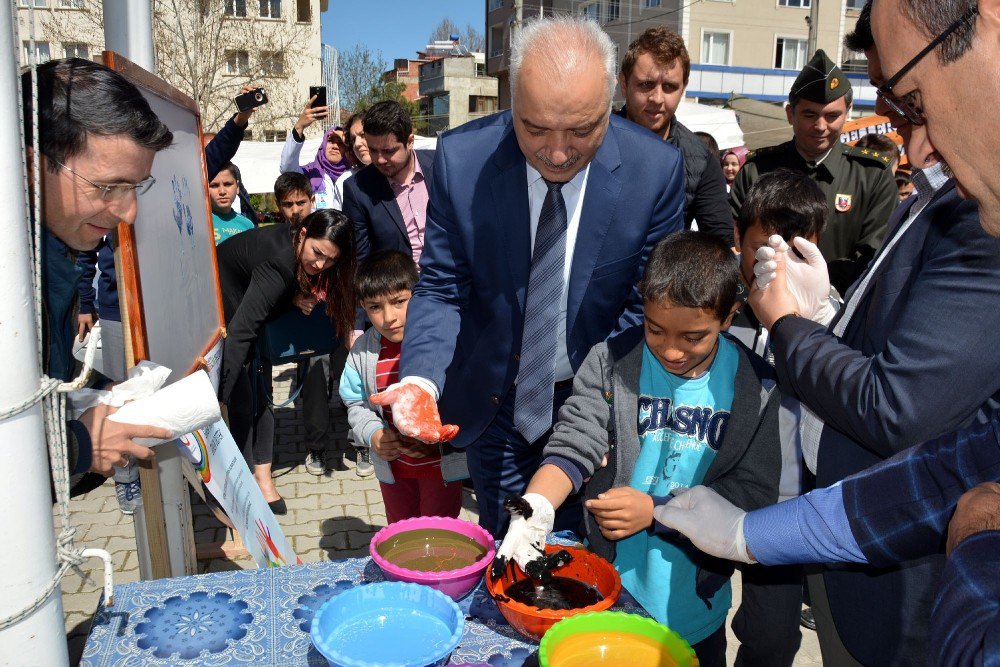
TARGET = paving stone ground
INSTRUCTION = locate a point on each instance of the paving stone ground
(329, 517)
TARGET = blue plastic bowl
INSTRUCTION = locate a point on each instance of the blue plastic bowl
(390, 624)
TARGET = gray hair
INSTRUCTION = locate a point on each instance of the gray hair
(933, 17)
(563, 44)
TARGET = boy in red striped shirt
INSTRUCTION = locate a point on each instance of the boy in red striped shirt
(416, 479)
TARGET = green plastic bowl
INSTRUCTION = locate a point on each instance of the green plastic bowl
(613, 638)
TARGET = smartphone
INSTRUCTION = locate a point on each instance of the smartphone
(320, 93)
(251, 100)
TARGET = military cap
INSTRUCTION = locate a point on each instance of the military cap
(820, 81)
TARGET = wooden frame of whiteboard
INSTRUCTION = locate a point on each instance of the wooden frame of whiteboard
(153, 512)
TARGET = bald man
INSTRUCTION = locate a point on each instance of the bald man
(540, 222)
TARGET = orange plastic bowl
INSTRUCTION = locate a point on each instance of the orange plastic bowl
(533, 622)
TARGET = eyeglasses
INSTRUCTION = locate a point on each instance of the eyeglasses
(905, 106)
(115, 191)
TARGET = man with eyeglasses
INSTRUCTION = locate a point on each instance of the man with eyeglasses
(96, 141)
(941, 60)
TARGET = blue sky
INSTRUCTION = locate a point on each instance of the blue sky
(397, 28)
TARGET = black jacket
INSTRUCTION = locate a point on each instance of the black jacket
(257, 275)
(705, 197)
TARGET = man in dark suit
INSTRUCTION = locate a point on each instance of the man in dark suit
(387, 200)
(540, 223)
(905, 361)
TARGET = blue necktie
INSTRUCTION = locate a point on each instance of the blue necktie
(536, 374)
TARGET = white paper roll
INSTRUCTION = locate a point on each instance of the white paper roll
(182, 407)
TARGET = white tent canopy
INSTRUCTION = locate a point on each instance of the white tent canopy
(720, 123)
(259, 160)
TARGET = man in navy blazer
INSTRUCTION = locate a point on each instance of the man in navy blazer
(397, 172)
(623, 190)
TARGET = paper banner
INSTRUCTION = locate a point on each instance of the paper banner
(222, 468)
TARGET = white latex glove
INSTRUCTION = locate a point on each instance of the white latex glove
(525, 539)
(808, 279)
(712, 523)
(765, 266)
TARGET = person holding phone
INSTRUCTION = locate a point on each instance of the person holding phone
(332, 159)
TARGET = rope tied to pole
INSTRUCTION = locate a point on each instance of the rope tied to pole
(51, 392)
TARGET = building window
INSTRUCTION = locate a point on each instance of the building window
(275, 135)
(237, 62)
(270, 9)
(715, 48)
(272, 63)
(71, 4)
(41, 53)
(236, 8)
(790, 53)
(482, 104)
(495, 45)
(803, 4)
(495, 4)
(303, 11)
(75, 50)
(612, 11)
(856, 4)
(36, 3)
(592, 10)
(649, 4)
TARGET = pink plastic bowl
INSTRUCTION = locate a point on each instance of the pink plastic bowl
(456, 584)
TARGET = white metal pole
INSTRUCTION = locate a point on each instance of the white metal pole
(128, 30)
(28, 559)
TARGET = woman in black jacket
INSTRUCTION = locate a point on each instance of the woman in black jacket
(261, 272)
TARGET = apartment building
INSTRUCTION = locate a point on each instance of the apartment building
(623, 20)
(208, 49)
(456, 89)
(756, 48)
(749, 48)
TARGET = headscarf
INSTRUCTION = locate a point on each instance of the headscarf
(321, 166)
(740, 152)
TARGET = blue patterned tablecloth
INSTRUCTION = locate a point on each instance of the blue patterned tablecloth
(262, 617)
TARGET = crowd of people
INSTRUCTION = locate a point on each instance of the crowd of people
(776, 360)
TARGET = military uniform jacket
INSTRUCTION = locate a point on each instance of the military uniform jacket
(860, 190)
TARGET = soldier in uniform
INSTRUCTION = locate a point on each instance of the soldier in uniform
(857, 182)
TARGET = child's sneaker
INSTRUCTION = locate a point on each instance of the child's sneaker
(315, 463)
(365, 467)
(129, 495)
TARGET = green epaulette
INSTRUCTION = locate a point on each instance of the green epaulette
(763, 152)
(868, 155)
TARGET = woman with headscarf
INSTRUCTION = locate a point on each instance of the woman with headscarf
(333, 158)
(359, 151)
(733, 160)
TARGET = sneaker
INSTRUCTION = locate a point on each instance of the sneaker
(365, 467)
(129, 495)
(807, 620)
(315, 463)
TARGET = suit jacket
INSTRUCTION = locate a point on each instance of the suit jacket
(466, 317)
(910, 367)
(370, 203)
(900, 510)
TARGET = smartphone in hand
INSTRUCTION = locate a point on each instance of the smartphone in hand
(320, 93)
(251, 100)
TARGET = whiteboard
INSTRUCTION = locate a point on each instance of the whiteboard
(171, 279)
